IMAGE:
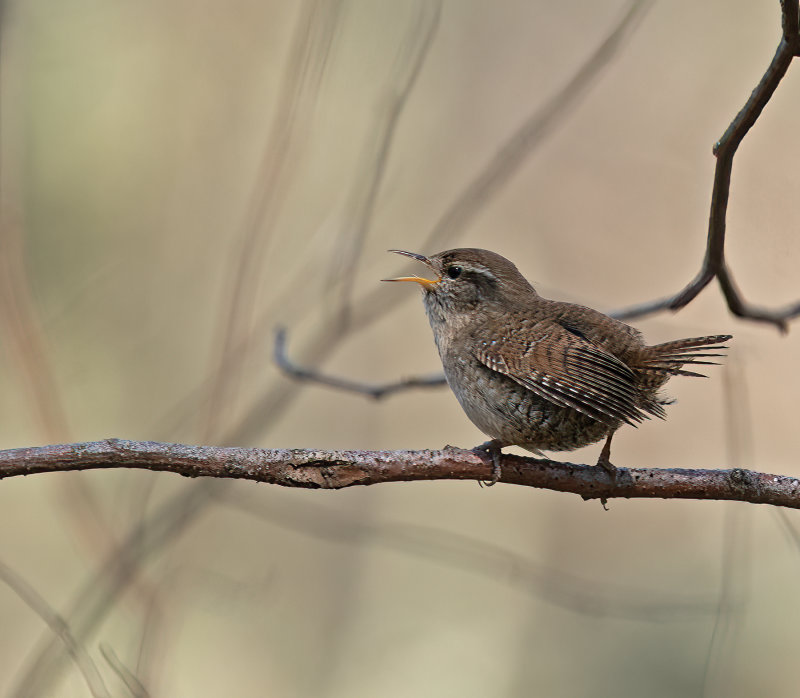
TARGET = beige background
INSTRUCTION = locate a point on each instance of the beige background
(133, 137)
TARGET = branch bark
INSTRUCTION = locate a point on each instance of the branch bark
(325, 469)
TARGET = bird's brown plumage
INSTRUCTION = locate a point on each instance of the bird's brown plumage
(540, 373)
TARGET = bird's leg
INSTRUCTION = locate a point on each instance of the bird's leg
(605, 458)
(495, 449)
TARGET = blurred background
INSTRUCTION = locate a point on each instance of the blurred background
(180, 178)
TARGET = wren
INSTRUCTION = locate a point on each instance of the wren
(542, 374)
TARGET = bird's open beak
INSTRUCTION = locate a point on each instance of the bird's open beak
(425, 283)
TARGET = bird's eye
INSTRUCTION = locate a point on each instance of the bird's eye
(454, 272)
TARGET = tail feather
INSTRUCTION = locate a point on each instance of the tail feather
(670, 357)
(681, 372)
(679, 346)
(694, 355)
(680, 362)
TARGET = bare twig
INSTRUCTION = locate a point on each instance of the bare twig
(59, 627)
(131, 681)
(326, 469)
(724, 150)
(374, 391)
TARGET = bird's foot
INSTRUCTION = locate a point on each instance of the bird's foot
(494, 449)
(608, 466)
(604, 461)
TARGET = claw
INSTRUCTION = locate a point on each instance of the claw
(495, 449)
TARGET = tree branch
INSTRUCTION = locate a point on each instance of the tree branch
(724, 150)
(741, 308)
(291, 369)
(325, 469)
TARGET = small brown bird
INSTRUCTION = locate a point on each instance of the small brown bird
(543, 374)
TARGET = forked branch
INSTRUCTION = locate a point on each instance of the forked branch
(713, 265)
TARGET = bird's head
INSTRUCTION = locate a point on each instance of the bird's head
(467, 279)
